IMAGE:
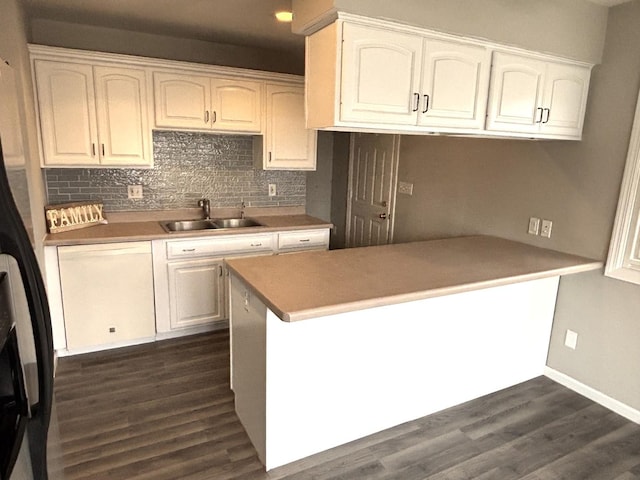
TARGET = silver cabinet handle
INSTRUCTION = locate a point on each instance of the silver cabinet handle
(541, 114)
(206, 116)
(269, 157)
(220, 266)
(417, 97)
(304, 240)
(215, 117)
(93, 149)
(103, 149)
(256, 244)
(188, 250)
(546, 120)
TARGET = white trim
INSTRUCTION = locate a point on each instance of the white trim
(620, 263)
(593, 394)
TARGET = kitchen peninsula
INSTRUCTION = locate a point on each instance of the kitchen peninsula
(331, 346)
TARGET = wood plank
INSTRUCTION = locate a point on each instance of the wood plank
(165, 411)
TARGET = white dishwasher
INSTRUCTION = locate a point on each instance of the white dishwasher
(107, 294)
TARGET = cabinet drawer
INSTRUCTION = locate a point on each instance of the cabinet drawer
(223, 246)
(303, 240)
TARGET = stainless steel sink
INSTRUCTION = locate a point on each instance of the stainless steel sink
(235, 223)
(194, 225)
(188, 225)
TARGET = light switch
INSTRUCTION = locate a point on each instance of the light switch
(405, 187)
(571, 339)
(545, 231)
(534, 226)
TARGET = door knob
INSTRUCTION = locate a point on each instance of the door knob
(383, 216)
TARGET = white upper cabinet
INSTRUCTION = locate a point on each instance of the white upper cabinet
(92, 116)
(397, 78)
(122, 120)
(455, 78)
(288, 145)
(66, 102)
(373, 75)
(207, 103)
(237, 105)
(565, 97)
(380, 73)
(181, 101)
(529, 95)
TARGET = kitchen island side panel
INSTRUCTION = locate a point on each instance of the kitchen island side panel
(248, 361)
(333, 379)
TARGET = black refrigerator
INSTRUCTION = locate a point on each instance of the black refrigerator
(26, 347)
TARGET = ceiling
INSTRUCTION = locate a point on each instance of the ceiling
(238, 22)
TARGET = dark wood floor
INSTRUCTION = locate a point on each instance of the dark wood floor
(165, 411)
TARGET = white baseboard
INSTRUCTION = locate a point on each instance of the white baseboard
(593, 394)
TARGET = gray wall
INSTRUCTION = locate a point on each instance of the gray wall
(13, 49)
(102, 39)
(465, 186)
(187, 166)
(570, 28)
(339, 189)
(319, 182)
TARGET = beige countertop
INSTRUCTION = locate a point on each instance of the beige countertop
(311, 284)
(151, 230)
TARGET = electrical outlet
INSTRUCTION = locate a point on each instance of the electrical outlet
(134, 191)
(534, 226)
(546, 228)
(273, 191)
(405, 187)
(571, 339)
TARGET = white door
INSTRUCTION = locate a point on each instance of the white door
(121, 106)
(288, 144)
(373, 167)
(565, 99)
(182, 101)
(380, 75)
(515, 101)
(455, 79)
(196, 291)
(67, 113)
(237, 105)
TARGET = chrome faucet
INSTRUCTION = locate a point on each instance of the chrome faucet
(205, 205)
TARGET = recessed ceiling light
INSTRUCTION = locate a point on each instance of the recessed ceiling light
(284, 16)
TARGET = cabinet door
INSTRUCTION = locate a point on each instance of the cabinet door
(182, 101)
(67, 113)
(196, 291)
(380, 75)
(515, 94)
(455, 80)
(288, 144)
(237, 105)
(565, 97)
(121, 106)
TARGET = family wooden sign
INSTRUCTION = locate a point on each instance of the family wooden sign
(72, 216)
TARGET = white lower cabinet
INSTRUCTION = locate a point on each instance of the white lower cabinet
(303, 240)
(110, 295)
(190, 279)
(196, 292)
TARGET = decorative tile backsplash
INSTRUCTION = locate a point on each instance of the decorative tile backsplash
(187, 166)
